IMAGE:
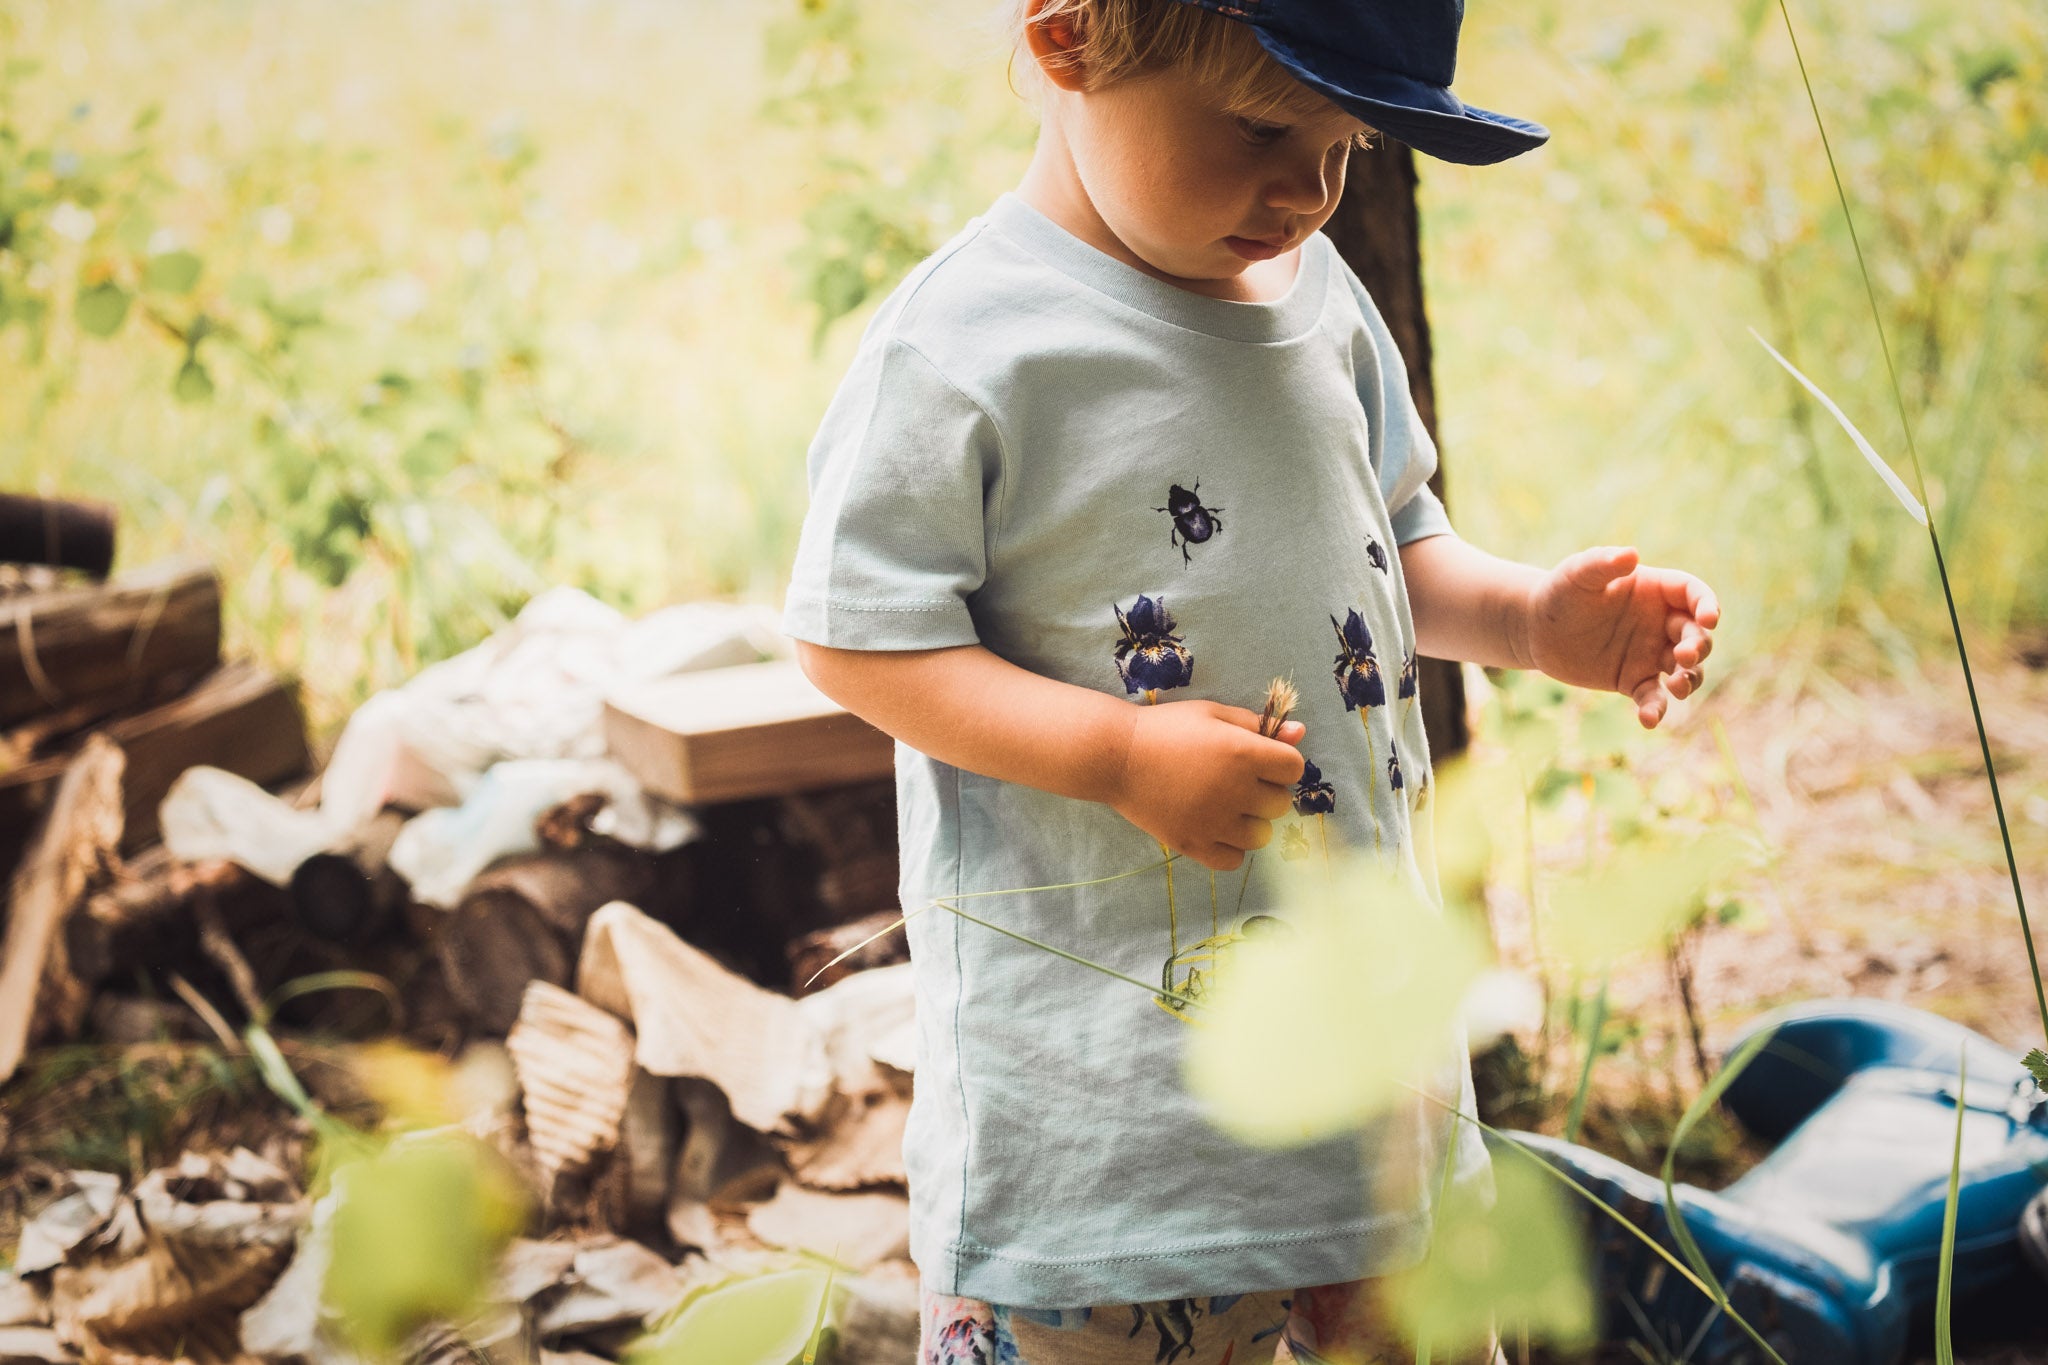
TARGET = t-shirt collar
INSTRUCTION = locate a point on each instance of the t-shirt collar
(1283, 319)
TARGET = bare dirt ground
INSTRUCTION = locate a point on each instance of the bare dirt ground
(1885, 878)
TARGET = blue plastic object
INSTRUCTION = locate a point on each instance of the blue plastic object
(1831, 1245)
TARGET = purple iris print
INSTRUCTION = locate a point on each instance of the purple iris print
(1406, 687)
(1312, 795)
(1394, 771)
(1357, 672)
(1150, 657)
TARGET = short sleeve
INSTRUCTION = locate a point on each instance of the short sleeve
(1403, 455)
(894, 544)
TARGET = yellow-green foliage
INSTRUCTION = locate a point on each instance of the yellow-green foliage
(1522, 1260)
(774, 1318)
(418, 1229)
(1323, 1019)
(400, 310)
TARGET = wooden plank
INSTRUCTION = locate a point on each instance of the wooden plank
(241, 718)
(726, 734)
(39, 996)
(63, 647)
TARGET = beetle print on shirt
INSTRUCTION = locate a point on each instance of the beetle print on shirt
(1193, 524)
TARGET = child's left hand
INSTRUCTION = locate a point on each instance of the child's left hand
(1602, 620)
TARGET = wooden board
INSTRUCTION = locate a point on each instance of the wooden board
(241, 718)
(65, 647)
(726, 734)
(39, 996)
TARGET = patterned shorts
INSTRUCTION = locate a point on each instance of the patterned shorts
(1332, 1324)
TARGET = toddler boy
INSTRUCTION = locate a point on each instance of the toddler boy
(1130, 445)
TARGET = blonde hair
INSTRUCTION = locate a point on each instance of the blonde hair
(1118, 39)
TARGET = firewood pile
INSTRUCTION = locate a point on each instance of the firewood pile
(605, 861)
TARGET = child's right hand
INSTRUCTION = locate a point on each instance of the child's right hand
(1200, 778)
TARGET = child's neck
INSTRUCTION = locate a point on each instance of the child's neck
(1052, 185)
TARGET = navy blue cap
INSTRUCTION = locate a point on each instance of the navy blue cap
(1389, 63)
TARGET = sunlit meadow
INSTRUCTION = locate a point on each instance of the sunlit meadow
(565, 287)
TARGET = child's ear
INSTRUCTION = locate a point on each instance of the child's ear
(1055, 45)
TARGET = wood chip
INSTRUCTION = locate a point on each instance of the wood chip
(692, 1017)
(574, 1062)
(856, 1229)
(34, 1346)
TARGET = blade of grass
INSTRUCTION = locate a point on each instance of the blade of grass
(1076, 958)
(817, 1336)
(1710, 1094)
(1423, 1348)
(972, 895)
(316, 982)
(1685, 1272)
(1933, 537)
(1884, 471)
(1576, 1117)
(1944, 1344)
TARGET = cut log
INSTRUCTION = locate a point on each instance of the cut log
(154, 629)
(725, 734)
(60, 533)
(349, 893)
(39, 996)
(522, 920)
(241, 718)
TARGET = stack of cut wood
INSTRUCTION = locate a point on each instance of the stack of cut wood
(129, 670)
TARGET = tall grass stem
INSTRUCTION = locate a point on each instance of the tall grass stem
(1933, 537)
(1575, 1118)
(1944, 1293)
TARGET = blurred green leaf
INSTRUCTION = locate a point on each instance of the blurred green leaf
(1646, 892)
(1322, 1022)
(770, 1319)
(418, 1231)
(102, 308)
(2037, 1064)
(174, 272)
(1524, 1261)
(1710, 1095)
(193, 384)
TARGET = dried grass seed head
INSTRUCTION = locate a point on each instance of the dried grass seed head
(1117, 40)
(1281, 699)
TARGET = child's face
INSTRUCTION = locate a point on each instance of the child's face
(1198, 193)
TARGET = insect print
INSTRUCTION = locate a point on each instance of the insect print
(1374, 555)
(1293, 842)
(1193, 523)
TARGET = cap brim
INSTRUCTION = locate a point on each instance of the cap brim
(1428, 118)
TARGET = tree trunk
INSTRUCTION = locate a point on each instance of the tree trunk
(1377, 233)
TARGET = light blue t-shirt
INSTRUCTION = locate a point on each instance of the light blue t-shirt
(1112, 481)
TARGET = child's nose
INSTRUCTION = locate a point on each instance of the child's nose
(1303, 189)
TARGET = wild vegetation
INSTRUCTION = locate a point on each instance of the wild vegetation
(404, 311)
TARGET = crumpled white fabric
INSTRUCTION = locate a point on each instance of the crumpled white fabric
(536, 690)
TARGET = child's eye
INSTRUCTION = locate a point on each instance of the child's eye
(1261, 134)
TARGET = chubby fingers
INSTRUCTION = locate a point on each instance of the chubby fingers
(1651, 701)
